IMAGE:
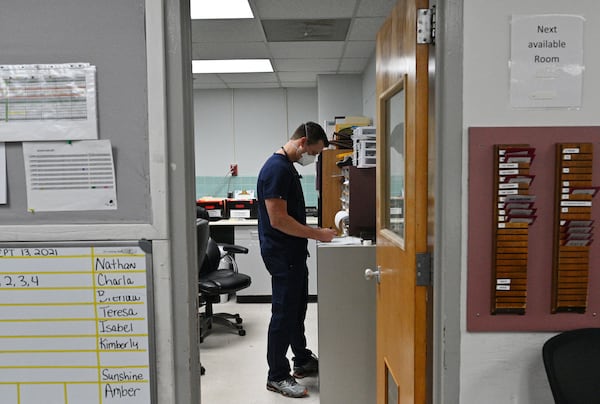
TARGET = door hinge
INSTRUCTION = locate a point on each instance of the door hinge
(426, 25)
(424, 269)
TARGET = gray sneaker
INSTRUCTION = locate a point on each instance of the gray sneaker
(310, 368)
(289, 387)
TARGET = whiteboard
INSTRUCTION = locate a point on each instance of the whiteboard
(75, 323)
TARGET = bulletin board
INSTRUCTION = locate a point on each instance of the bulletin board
(538, 315)
(76, 323)
(88, 31)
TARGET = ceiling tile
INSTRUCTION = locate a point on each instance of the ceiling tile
(249, 77)
(207, 78)
(297, 62)
(291, 65)
(365, 29)
(240, 50)
(302, 84)
(253, 85)
(359, 49)
(288, 50)
(304, 8)
(226, 30)
(302, 30)
(206, 86)
(298, 76)
(353, 65)
(375, 8)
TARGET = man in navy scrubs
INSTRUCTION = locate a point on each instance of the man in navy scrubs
(284, 235)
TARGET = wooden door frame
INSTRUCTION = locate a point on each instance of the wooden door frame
(447, 131)
(397, 52)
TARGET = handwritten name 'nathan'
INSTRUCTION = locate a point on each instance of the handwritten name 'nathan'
(103, 264)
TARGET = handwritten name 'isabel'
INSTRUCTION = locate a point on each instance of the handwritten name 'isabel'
(115, 327)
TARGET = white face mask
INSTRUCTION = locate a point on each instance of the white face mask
(306, 159)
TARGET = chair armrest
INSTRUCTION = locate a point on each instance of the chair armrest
(232, 248)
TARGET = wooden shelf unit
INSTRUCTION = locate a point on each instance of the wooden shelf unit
(511, 233)
(572, 227)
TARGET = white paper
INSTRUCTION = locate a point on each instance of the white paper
(546, 66)
(65, 176)
(3, 179)
(346, 240)
(48, 102)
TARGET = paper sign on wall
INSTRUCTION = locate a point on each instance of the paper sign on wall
(70, 175)
(3, 179)
(546, 66)
(48, 102)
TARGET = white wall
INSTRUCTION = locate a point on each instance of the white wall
(369, 91)
(339, 95)
(244, 126)
(506, 368)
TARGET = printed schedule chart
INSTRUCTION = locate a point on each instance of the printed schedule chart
(74, 324)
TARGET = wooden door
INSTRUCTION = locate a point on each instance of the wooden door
(403, 307)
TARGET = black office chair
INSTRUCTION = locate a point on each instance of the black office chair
(218, 275)
(572, 362)
(202, 236)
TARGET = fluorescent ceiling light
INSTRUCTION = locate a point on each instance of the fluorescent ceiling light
(220, 9)
(232, 66)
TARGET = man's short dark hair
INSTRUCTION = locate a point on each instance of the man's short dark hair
(313, 132)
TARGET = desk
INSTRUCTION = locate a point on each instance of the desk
(346, 323)
(312, 221)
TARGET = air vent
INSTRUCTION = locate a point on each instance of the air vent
(306, 30)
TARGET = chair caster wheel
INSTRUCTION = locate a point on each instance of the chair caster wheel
(242, 333)
(238, 320)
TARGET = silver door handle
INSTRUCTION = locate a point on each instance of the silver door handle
(370, 274)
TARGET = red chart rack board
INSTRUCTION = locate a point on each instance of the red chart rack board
(534, 300)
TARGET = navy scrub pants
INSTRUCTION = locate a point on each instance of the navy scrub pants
(289, 282)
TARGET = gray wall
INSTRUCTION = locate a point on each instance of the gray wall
(503, 368)
(144, 108)
(59, 31)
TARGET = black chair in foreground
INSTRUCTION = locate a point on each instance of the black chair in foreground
(572, 362)
(218, 275)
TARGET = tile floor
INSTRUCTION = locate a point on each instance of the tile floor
(236, 367)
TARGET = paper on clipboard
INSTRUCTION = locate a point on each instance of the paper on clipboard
(65, 176)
